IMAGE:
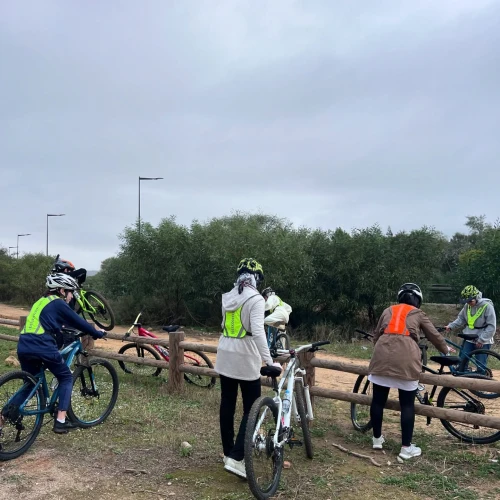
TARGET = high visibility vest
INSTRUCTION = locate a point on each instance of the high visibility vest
(397, 325)
(471, 319)
(233, 327)
(33, 324)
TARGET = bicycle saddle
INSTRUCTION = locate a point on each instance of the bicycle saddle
(270, 371)
(446, 360)
(171, 328)
(468, 336)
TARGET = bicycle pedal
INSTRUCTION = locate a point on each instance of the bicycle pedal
(294, 442)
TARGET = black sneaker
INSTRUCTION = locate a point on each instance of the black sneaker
(60, 428)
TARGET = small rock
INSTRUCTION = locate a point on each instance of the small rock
(185, 445)
(400, 460)
(388, 462)
(12, 361)
(169, 484)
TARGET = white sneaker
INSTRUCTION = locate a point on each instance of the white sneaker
(235, 467)
(378, 442)
(224, 459)
(411, 451)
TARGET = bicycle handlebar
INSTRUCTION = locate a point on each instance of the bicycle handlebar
(307, 347)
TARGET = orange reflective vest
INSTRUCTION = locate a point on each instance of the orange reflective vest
(397, 325)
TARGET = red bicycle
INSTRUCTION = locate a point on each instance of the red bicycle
(193, 358)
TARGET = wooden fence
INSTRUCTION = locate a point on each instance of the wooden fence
(176, 345)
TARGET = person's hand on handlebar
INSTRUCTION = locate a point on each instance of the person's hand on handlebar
(100, 334)
(277, 365)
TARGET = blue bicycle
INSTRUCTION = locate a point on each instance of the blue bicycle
(277, 339)
(25, 399)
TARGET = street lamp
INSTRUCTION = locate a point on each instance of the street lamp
(144, 179)
(9, 250)
(17, 252)
(50, 215)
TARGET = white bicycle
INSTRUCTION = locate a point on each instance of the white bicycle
(269, 426)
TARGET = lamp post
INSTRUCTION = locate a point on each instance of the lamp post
(144, 179)
(9, 250)
(50, 215)
(17, 251)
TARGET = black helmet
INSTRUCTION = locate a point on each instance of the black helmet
(410, 289)
(267, 292)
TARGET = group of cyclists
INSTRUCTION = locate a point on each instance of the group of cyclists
(243, 348)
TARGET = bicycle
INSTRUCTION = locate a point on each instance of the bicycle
(452, 398)
(25, 398)
(95, 306)
(265, 442)
(157, 352)
(277, 338)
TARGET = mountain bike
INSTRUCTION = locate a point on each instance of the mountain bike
(25, 399)
(471, 401)
(193, 358)
(277, 338)
(269, 427)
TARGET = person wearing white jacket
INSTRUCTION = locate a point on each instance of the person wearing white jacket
(241, 351)
(279, 310)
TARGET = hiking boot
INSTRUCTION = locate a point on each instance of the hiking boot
(411, 451)
(378, 442)
(236, 467)
(60, 428)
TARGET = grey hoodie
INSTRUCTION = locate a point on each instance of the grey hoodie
(241, 358)
(488, 320)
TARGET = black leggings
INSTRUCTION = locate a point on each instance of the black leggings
(407, 402)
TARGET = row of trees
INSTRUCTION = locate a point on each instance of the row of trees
(177, 273)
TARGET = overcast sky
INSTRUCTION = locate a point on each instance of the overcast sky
(327, 113)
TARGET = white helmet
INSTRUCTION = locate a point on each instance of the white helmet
(60, 280)
(411, 288)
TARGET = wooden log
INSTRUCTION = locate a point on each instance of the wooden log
(12, 338)
(424, 378)
(193, 346)
(426, 411)
(22, 322)
(175, 384)
(11, 322)
(138, 340)
(102, 353)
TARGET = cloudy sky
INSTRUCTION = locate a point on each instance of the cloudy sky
(327, 113)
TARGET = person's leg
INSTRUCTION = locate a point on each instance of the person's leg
(465, 351)
(407, 403)
(250, 391)
(481, 359)
(229, 394)
(380, 395)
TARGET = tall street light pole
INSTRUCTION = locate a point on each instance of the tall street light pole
(50, 215)
(17, 252)
(144, 179)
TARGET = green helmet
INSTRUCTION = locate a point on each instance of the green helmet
(470, 292)
(250, 265)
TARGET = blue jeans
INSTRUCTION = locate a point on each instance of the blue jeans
(481, 360)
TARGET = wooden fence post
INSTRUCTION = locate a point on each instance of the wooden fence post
(310, 378)
(22, 322)
(175, 384)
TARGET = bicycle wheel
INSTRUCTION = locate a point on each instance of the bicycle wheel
(360, 414)
(95, 390)
(464, 400)
(19, 430)
(100, 311)
(263, 462)
(140, 351)
(300, 401)
(488, 368)
(197, 358)
(283, 341)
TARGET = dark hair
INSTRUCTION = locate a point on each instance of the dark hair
(410, 299)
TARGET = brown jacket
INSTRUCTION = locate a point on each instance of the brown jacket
(399, 355)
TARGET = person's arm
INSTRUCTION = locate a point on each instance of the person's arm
(258, 332)
(437, 340)
(460, 321)
(379, 330)
(491, 325)
(72, 320)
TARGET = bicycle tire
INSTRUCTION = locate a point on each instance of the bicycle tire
(89, 391)
(251, 453)
(105, 308)
(24, 377)
(450, 427)
(469, 368)
(140, 351)
(356, 415)
(283, 341)
(199, 380)
(304, 421)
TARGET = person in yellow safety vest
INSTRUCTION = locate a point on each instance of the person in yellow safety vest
(279, 311)
(478, 317)
(241, 351)
(37, 345)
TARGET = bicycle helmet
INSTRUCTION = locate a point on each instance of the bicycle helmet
(470, 292)
(250, 265)
(61, 280)
(410, 289)
(62, 265)
(267, 292)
